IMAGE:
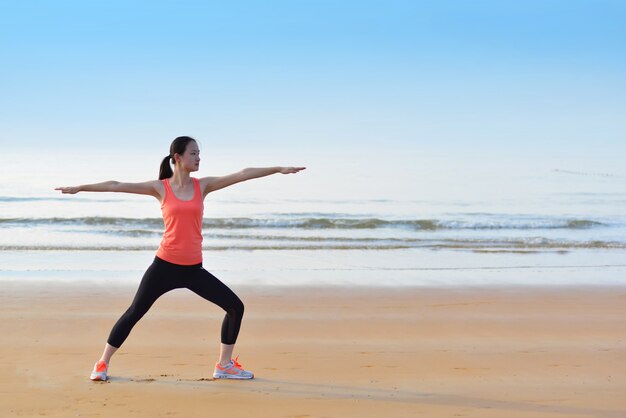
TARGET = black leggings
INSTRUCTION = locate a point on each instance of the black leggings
(161, 277)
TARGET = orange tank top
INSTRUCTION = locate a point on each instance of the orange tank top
(182, 239)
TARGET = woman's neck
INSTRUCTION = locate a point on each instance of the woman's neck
(180, 179)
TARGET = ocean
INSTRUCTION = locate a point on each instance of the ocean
(357, 218)
(125, 224)
(572, 237)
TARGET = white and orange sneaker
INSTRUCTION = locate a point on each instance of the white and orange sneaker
(99, 372)
(232, 370)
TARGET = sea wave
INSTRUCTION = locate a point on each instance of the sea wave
(149, 225)
(319, 243)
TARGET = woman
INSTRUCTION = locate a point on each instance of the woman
(178, 261)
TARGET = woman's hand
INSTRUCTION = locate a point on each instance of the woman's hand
(68, 190)
(290, 170)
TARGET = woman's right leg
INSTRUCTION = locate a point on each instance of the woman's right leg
(109, 350)
(157, 280)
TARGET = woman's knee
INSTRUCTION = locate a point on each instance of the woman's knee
(134, 313)
(236, 308)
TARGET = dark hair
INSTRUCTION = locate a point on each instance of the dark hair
(179, 145)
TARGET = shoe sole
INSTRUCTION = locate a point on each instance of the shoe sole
(99, 377)
(232, 376)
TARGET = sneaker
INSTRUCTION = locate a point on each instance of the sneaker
(232, 370)
(99, 372)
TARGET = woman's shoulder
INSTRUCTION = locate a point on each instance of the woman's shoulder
(159, 188)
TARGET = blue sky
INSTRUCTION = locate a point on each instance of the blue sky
(439, 76)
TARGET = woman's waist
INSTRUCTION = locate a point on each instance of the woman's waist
(161, 261)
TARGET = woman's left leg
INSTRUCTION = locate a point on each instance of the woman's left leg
(212, 289)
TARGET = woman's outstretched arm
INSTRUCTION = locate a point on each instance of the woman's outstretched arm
(151, 188)
(211, 184)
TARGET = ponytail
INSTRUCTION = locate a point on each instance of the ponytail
(165, 172)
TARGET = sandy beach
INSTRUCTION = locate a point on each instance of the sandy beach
(320, 352)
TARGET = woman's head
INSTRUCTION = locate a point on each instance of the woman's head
(184, 152)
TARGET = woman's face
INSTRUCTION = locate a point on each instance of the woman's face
(190, 160)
